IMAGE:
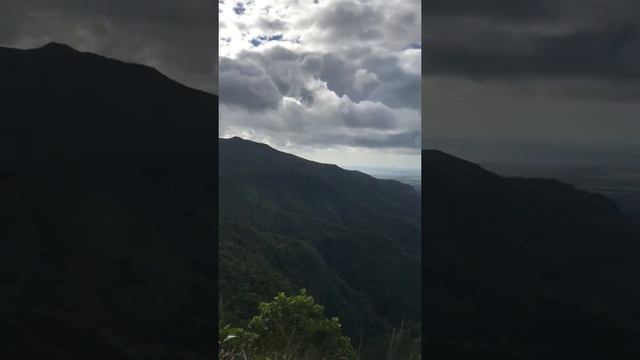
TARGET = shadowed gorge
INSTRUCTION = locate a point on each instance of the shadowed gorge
(109, 204)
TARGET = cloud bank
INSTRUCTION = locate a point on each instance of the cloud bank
(561, 71)
(322, 75)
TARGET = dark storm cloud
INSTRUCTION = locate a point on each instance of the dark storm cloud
(338, 73)
(375, 77)
(571, 48)
(281, 65)
(392, 85)
(523, 12)
(244, 83)
(375, 115)
(405, 91)
(397, 88)
(501, 72)
(11, 19)
(503, 9)
(177, 37)
(611, 52)
(352, 20)
(184, 13)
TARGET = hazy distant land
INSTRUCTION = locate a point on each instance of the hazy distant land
(619, 183)
(411, 177)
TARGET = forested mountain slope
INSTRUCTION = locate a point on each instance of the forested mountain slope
(286, 223)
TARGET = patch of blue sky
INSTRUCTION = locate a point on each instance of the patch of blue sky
(259, 40)
(239, 9)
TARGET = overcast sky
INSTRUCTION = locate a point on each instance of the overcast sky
(538, 81)
(336, 81)
(178, 37)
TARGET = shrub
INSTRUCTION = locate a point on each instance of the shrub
(289, 327)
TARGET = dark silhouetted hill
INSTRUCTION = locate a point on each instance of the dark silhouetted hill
(108, 206)
(518, 268)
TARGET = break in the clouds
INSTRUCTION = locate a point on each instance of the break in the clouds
(560, 74)
(322, 77)
(176, 37)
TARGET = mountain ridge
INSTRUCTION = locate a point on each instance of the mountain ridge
(107, 252)
(349, 224)
(53, 52)
(522, 268)
(255, 143)
(108, 207)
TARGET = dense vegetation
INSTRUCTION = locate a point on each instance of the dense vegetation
(109, 206)
(109, 210)
(287, 223)
(288, 327)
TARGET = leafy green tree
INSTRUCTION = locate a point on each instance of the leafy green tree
(289, 327)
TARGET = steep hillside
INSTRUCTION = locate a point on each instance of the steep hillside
(108, 207)
(286, 223)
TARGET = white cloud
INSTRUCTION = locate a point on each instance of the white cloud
(336, 74)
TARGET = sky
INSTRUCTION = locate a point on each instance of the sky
(177, 37)
(336, 81)
(548, 81)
